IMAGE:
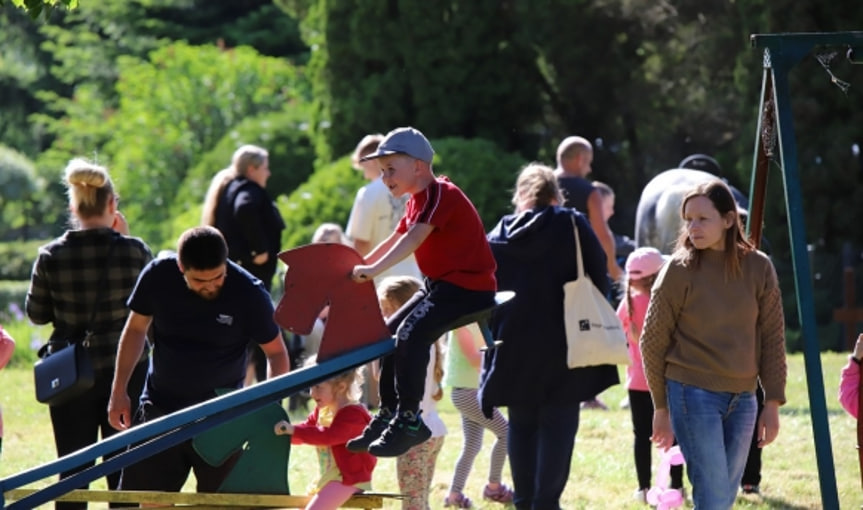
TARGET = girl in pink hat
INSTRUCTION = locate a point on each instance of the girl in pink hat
(642, 265)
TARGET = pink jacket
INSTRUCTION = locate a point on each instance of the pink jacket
(635, 379)
(849, 383)
(7, 346)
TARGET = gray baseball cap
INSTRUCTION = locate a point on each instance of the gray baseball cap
(404, 140)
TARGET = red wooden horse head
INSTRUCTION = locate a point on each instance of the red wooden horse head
(319, 275)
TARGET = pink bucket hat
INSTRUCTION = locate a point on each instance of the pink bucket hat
(644, 262)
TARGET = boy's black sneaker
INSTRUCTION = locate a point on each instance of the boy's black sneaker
(373, 431)
(403, 433)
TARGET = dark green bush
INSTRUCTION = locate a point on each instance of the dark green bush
(18, 257)
(327, 196)
(21, 186)
(292, 157)
(484, 172)
(283, 134)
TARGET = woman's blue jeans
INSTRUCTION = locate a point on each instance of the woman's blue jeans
(714, 430)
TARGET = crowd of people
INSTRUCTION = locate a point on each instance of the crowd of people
(176, 330)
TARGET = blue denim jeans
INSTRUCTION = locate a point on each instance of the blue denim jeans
(714, 430)
(541, 439)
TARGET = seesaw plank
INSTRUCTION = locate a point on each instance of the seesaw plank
(202, 500)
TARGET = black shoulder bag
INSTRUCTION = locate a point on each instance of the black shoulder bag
(64, 370)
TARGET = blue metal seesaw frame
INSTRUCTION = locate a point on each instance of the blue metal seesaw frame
(351, 339)
(781, 53)
(177, 427)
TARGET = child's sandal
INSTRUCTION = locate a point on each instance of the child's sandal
(458, 500)
(502, 494)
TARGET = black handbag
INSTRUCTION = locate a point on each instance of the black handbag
(64, 370)
(63, 374)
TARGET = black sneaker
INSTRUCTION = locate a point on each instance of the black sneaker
(373, 430)
(403, 433)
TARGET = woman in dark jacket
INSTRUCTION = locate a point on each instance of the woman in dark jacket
(91, 267)
(535, 253)
(237, 203)
(240, 207)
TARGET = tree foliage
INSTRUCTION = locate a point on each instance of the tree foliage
(172, 108)
(84, 46)
(484, 171)
(176, 106)
(651, 86)
(24, 70)
(326, 196)
(149, 87)
(19, 184)
(36, 7)
(291, 153)
(453, 75)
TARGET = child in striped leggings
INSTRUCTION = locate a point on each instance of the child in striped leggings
(462, 375)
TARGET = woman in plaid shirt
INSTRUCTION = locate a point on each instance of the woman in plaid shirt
(93, 266)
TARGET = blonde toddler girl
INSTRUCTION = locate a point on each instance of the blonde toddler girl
(336, 418)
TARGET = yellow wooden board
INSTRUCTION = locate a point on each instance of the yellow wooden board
(203, 501)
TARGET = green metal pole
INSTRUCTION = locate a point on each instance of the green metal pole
(805, 302)
(781, 52)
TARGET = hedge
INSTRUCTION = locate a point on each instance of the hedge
(291, 155)
(12, 295)
(18, 258)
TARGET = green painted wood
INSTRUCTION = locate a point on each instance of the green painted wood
(262, 466)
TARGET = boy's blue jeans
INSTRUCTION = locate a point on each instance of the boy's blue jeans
(714, 430)
(430, 313)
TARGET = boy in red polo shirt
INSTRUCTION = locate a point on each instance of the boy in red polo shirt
(443, 230)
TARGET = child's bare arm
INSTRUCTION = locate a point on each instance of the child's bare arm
(403, 246)
(378, 251)
(858, 347)
(468, 344)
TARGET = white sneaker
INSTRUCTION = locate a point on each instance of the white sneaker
(624, 403)
(640, 495)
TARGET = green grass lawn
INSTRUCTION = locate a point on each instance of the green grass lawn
(602, 475)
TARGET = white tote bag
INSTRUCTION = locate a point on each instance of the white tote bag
(594, 334)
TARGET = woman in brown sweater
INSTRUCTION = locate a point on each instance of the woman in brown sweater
(714, 327)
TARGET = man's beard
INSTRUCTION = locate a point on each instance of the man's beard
(209, 295)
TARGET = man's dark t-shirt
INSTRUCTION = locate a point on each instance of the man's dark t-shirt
(199, 345)
(576, 190)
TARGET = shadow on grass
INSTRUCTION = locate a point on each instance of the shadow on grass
(769, 502)
(805, 411)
